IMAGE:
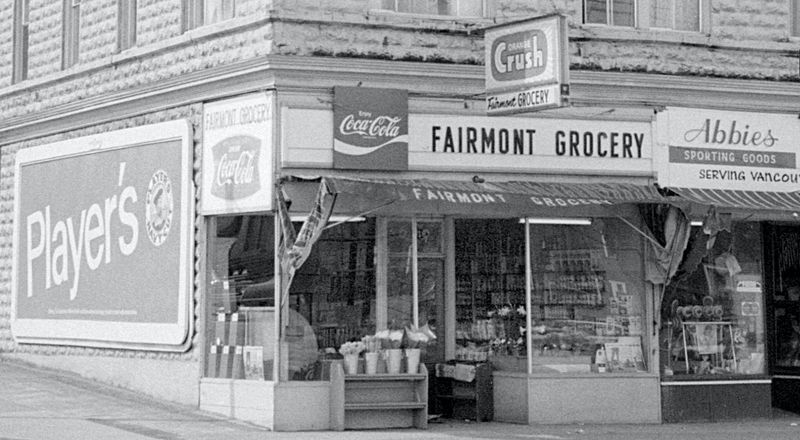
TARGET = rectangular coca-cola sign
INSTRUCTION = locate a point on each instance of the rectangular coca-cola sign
(103, 236)
(237, 155)
(370, 128)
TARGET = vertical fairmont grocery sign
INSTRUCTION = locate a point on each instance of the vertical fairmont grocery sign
(237, 155)
(102, 240)
(729, 150)
(370, 128)
(527, 65)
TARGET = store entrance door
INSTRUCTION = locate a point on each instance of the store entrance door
(783, 313)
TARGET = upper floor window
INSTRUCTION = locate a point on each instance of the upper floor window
(795, 14)
(70, 33)
(126, 24)
(458, 8)
(202, 12)
(21, 17)
(610, 12)
(680, 15)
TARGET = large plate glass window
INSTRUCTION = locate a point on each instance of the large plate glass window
(712, 313)
(240, 299)
(490, 292)
(588, 297)
(331, 299)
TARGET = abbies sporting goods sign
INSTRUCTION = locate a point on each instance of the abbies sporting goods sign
(102, 240)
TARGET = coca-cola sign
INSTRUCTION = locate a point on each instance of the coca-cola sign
(236, 164)
(237, 155)
(370, 128)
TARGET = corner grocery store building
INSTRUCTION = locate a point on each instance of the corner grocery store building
(299, 92)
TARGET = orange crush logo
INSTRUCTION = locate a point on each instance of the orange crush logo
(519, 55)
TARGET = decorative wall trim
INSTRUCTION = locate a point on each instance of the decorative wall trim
(447, 81)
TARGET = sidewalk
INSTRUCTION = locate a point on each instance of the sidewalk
(38, 403)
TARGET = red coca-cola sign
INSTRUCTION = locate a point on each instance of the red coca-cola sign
(370, 128)
(236, 167)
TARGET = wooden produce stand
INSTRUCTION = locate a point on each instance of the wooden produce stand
(374, 401)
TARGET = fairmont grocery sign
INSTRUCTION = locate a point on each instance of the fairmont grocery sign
(516, 144)
(237, 155)
(729, 150)
(102, 239)
(526, 65)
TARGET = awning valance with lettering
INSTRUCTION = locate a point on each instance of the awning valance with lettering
(465, 198)
(738, 199)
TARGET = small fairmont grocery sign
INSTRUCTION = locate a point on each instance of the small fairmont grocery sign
(527, 66)
(237, 155)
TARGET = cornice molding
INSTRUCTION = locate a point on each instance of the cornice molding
(423, 80)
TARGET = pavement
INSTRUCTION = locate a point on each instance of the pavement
(38, 403)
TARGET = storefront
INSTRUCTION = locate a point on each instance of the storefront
(479, 229)
(727, 333)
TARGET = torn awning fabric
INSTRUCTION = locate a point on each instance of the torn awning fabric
(446, 197)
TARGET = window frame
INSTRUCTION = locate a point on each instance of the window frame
(126, 24)
(642, 18)
(194, 16)
(21, 40)
(380, 6)
(70, 33)
(700, 18)
(610, 14)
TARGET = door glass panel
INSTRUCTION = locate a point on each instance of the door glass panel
(431, 305)
(786, 300)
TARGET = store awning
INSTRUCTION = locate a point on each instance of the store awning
(726, 198)
(466, 198)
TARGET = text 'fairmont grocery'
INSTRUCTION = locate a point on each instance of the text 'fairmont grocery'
(447, 139)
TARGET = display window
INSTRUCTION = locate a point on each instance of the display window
(587, 298)
(331, 300)
(712, 313)
(587, 295)
(240, 299)
(490, 292)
